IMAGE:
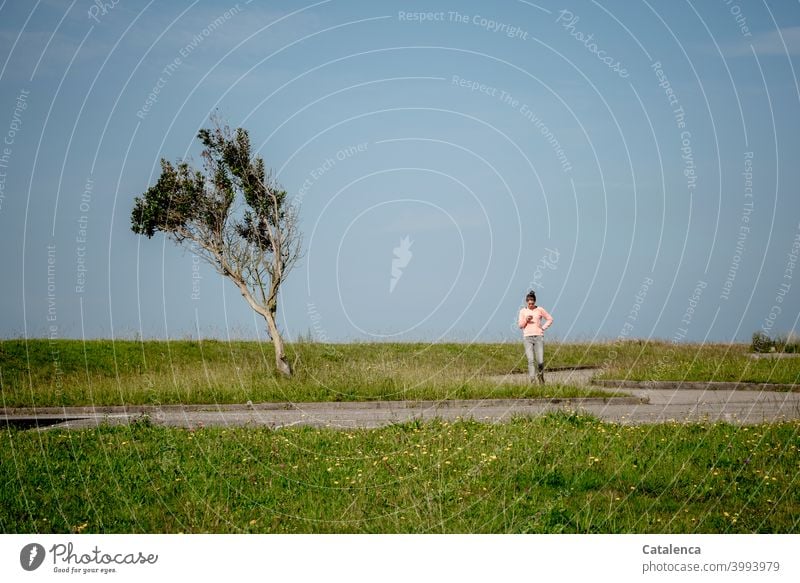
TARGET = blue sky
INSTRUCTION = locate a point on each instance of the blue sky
(634, 162)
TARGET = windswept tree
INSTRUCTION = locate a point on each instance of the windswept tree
(233, 215)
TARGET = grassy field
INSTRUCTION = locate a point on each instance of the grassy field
(99, 372)
(662, 361)
(560, 473)
(67, 372)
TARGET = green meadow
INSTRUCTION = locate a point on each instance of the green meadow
(102, 372)
(560, 473)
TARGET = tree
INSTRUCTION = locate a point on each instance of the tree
(234, 215)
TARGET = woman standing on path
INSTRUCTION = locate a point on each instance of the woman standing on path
(530, 321)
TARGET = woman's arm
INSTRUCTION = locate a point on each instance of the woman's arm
(522, 320)
(548, 319)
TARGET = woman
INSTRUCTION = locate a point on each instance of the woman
(530, 321)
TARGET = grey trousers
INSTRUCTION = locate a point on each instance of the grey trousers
(534, 350)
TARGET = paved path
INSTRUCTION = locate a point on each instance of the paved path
(680, 402)
(641, 406)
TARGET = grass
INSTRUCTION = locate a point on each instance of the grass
(562, 473)
(558, 473)
(71, 373)
(663, 361)
(100, 372)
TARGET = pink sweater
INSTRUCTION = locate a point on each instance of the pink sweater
(534, 327)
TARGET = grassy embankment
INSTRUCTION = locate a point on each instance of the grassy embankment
(99, 372)
(665, 361)
(68, 372)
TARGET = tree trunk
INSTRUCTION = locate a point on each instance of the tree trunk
(280, 355)
(269, 315)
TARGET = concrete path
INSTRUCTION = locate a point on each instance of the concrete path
(680, 402)
(643, 405)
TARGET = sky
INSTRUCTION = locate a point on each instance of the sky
(635, 163)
